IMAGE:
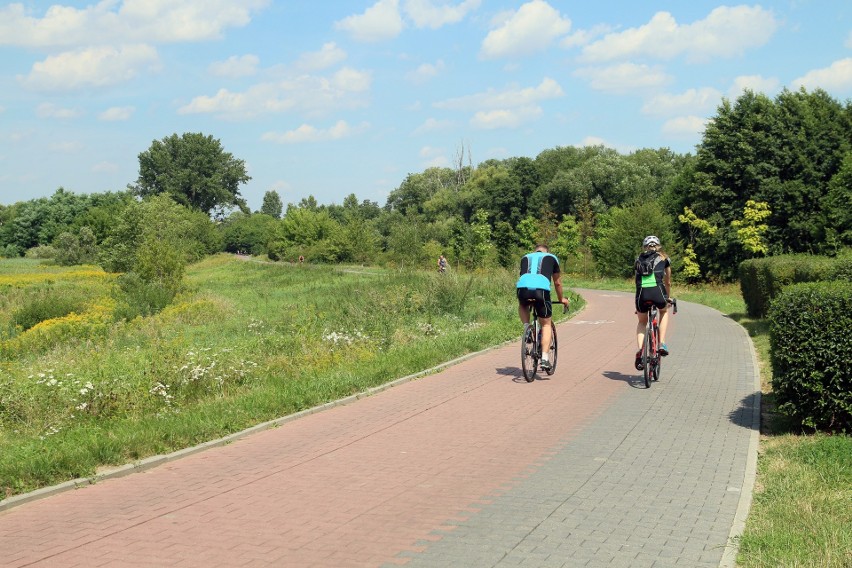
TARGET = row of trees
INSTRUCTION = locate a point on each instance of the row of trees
(769, 176)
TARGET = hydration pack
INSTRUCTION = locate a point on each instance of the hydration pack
(646, 262)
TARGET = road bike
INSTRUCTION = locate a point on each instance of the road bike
(651, 358)
(531, 345)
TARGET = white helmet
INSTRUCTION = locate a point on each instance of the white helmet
(651, 240)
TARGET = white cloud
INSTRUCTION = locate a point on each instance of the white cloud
(313, 95)
(425, 72)
(108, 21)
(584, 37)
(529, 30)
(328, 56)
(380, 22)
(755, 83)
(105, 167)
(685, 126)
(837, 77)
(594, 141)
(432, 125)
(117, 113)
(308, 133)
(623, 78)
(91, 67)
(693, 100)
(236, 66)
(727, 31)
(50, 110)
(67, 147)
(426, 14)
(505, 118)
(512, 97)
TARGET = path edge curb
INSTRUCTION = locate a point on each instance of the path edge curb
(732, 547)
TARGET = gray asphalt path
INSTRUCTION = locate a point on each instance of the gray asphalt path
(468, 466)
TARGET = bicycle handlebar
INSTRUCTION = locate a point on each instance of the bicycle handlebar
(673, 302)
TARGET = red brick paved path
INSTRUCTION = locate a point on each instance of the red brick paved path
(351, 486)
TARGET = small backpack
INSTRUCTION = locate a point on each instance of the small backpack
(646, 262)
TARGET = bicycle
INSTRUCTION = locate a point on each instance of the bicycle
(531, 345)
(651, 358)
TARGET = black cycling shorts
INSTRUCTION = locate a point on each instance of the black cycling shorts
(541, 299)
(653, 295)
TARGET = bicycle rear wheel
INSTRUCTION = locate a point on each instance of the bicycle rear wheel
(529, 361)
(647, 360)
(553, 349)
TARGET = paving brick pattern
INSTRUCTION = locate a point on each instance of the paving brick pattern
(470, 466)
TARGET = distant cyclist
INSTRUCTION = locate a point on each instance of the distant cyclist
(537, 270)
(653, 270)
(442, 264)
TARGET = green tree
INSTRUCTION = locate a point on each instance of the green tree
(194, 170)
(272, 204)
(751, 229)
(619, 234)
(566, 246)
(247, 233)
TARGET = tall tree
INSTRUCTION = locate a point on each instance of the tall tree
(194, 170)
(272, 204)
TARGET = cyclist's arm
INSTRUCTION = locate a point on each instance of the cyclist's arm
(557, 283)
(667, 281)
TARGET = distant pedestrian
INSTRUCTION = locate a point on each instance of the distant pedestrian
(301, 259)
(442, 264)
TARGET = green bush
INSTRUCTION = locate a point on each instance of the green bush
(45, 304)
(811, 348)
(41, 252)
(136, 296)
(762, 279)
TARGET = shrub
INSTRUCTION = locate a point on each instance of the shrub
(762, 279)
(41, 252)
(136, 296)
(811, 348)
(46, 304)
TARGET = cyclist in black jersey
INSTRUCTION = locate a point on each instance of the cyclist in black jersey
(537, 270)
(653, 270)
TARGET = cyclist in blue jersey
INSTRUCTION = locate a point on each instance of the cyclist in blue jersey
(537, 270)
(653, 270)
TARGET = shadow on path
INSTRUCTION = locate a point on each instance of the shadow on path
(632, 380)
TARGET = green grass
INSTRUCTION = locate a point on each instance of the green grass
(246, 343)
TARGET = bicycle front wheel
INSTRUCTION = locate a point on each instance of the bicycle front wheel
(529, 361)
(657, 359)
(553, 349)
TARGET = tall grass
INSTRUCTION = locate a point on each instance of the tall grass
(247, 342)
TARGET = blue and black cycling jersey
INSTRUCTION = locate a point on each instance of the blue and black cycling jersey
(537, 268)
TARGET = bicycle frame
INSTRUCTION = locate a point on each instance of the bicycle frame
(651, 345)
(531, 346)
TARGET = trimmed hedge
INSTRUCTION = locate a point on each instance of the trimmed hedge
(762, 279)
(810, 327)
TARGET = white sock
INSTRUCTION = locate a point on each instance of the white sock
(545, 357)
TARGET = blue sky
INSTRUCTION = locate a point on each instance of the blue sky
(328, 98)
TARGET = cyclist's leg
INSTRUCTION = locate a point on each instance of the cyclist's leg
(545, 313)
(523, 305)
(664, 323)
(642, 313)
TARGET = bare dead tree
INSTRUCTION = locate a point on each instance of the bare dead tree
(461, 173)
